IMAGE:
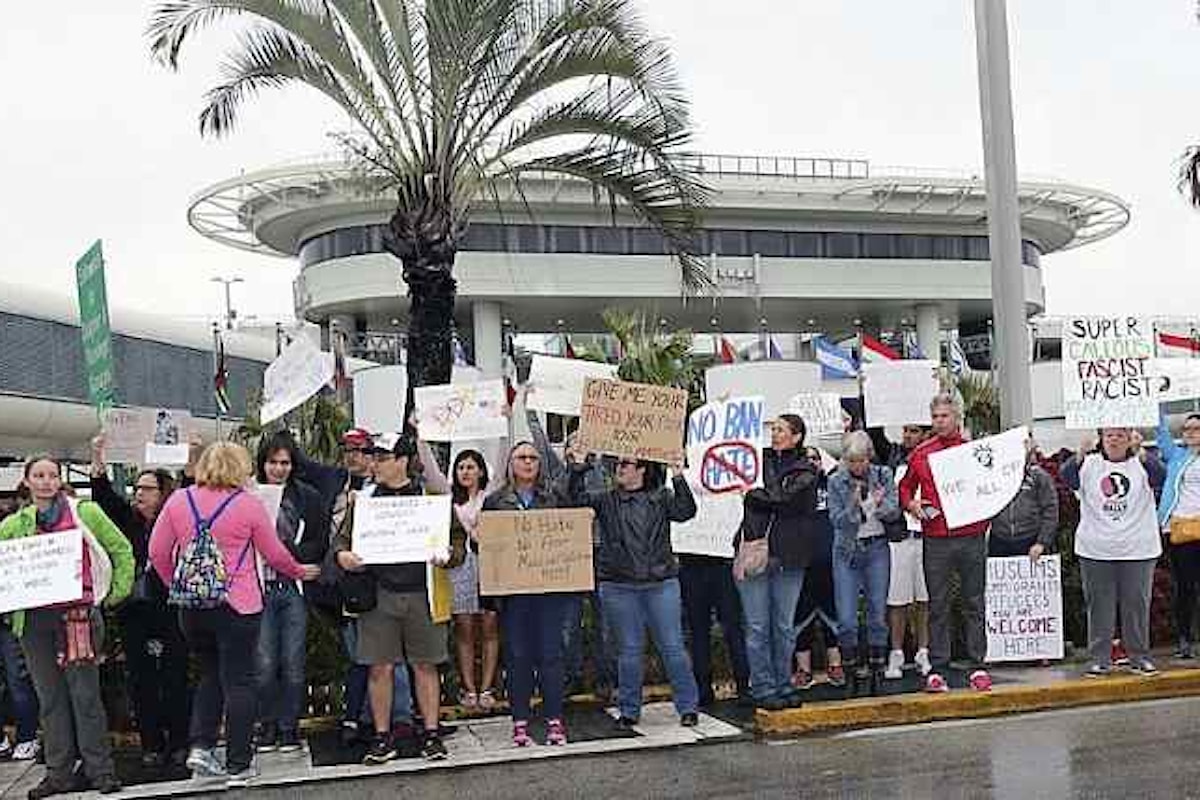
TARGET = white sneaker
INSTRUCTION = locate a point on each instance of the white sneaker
(27, 751)
(895, 667)
(923, 663)
(6, 748)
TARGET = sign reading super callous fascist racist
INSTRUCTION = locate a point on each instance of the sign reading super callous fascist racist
(1108, 372)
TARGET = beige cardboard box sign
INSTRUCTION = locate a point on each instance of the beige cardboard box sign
(633, 420)
(536, 552)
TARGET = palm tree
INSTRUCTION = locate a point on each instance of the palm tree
(451, 100)
(649, 355)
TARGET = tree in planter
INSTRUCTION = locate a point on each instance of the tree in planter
(454, 101)
(649, 355)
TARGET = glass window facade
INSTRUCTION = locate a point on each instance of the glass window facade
(609, 240)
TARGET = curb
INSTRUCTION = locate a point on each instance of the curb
(909, 709)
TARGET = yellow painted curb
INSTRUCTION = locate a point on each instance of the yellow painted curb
(907, 709)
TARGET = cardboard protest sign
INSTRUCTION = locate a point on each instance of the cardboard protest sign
(898, 392)
(1178, 378)
(976, 480)
(1107, 373)
(556, 384)
(821, 412)
(1024, 613)
(535, 552)
(633, 420)
(299, 372)
(725, 441)
(456, 412)
(38, 571)
(146, 436)
(409, 529)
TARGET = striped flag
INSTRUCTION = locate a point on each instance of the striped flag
(959, 365)
(341, 379)
(875, 351)
(460, 354)
(568, 349)
(221, 379)
(773, 352)
(912, 348)
(726, 351)
(835, 362)
(1171, 345)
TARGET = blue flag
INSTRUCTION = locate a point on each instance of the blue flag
(773, 352)
(835, 362)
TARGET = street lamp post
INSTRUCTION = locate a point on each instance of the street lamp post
(1004, 226)
(230, 312)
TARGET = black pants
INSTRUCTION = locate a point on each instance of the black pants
(966, 556)
(707, 586)
(156, 663)
(1003, 547)
(1185, 581)
(225, 644)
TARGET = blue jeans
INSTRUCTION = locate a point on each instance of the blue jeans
(599, 647)
(532, 628)
(281, 650)
(864, 569)
(629, 608)
(769, 602)
(21, 695)
(357, 707)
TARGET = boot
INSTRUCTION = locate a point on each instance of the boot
(878, 664)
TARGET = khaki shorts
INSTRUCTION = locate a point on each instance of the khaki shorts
(907, 582)
(399, 629)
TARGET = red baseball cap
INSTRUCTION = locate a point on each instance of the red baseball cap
(358, 438)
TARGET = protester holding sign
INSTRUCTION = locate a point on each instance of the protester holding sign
(1028, 525)
(817, 609)
(1118, 543)
(948, 552)
(1179, 515)
(639, 576)
(63, 642)
(405, 617)
(302, 526)
(781, 514)
(862, 502)
(156, 656)
(533, 623)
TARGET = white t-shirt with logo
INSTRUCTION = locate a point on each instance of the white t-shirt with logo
(1117, 520)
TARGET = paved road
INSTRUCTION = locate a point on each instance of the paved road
(1138, 750)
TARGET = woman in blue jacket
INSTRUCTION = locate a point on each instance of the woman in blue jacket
(862, 498)
(1179, 513)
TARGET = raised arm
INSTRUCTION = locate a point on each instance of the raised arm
(1166, 443)
(435, 479)
(681, 506)
(555, 466)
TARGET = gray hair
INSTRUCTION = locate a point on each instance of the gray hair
(856, 445)
(946, 401)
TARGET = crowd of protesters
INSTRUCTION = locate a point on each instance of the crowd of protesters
(855, 551)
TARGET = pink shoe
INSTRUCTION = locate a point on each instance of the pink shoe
(980, 681)
(556, 732)
(936, 684)
(521, 737)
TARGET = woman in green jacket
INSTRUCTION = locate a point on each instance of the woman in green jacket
(61, 641)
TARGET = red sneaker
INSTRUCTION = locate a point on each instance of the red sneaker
(521, 737)
(980, 681)
(936, 684)
(1119, 657)
(556, 732)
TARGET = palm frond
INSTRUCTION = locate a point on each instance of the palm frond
(649, 355)
(1189, 175)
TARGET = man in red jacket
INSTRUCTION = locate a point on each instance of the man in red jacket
(948, 551)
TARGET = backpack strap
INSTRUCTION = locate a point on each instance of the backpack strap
(199, 520)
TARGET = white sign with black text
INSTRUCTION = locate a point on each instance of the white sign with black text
(1024, 613)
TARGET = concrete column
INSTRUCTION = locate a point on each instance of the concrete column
(929, 331)
(486, 321)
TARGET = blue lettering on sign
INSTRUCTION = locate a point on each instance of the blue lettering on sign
(743, 420)
(702, 426)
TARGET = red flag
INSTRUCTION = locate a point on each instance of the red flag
(568, 350)
(875, 350)
(1178, 345)
(727, 352)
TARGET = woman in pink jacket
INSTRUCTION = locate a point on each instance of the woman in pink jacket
(224, 637)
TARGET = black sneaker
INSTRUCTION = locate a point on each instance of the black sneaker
(381, 751)
(433, 749)
(689, 720)
(51, 786)
(267, 740)
(626, 723)
(348, 734)
(107, 784)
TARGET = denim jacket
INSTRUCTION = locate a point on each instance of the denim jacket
(1178, 460)
(844, 512)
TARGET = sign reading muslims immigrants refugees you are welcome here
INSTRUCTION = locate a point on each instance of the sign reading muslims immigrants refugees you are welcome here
(1024, 609)
(1108, 377)
(633, 420)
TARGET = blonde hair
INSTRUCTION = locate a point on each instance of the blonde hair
(224, 465)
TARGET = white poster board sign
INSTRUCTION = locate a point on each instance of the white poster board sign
(1024, 609)
(145, 435)
(821, 412)
(977, 479)
(299, 372)
(271, 496)
(898, 392)
(455, 412)
(401, 530)
(1108, 378)
(725, 441)
(42, 570)
(1178, 378)
(556, 384)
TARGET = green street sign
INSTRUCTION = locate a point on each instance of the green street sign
(94, 328)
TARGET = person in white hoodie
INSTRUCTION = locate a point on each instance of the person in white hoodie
(1118, 544)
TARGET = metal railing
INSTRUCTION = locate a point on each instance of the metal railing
(377, 346)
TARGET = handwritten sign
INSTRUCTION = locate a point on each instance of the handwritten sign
(898, 392)
(1024, 609)
(535, 552)
(299, 372)
(633, 420)
(142, 436)
(401, 530)
(42, 570)
(458, 412)
(1178, 378)
(976, 480)
(556, 384)
(1108, 378)
(821, 412)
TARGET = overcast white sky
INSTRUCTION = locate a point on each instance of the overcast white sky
(95, 141)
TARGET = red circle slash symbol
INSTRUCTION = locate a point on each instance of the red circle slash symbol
(729, 467)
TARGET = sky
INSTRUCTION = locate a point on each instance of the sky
(98, 142)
